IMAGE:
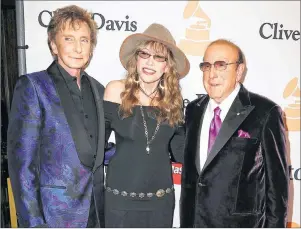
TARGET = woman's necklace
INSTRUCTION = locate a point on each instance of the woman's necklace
(148, 142)
(148, 95)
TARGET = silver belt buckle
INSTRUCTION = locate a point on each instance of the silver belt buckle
(160, 193)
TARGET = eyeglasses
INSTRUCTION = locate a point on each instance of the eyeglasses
(145, 55)
(219, 65)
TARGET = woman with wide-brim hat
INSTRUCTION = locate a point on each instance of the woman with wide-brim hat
(145, 110)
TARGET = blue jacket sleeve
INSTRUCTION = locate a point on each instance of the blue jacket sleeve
(25, 123)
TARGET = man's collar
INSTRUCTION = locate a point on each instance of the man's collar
(69, 78)
(227, 102)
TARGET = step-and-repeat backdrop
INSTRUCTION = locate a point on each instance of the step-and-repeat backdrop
(268, 33)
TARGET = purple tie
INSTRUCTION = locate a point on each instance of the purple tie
(215, 126)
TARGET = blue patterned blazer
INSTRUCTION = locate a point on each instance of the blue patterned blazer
(53, 171)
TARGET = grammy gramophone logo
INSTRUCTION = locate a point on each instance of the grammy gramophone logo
(292, 111)
(197, 30)
(293, 225)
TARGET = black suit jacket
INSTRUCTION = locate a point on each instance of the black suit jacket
(244, 181)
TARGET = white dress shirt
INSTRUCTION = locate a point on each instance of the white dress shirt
(208, 116)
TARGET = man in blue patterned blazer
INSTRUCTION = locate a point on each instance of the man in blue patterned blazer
(56, 132)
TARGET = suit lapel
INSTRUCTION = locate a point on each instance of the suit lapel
(101, 125)
(239, 111)
(80, 137)
(198, 116)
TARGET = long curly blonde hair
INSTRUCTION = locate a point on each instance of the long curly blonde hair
(169, 102)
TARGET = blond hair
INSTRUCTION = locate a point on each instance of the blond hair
(169, 101)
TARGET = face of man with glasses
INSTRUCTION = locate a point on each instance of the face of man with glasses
(221, 71)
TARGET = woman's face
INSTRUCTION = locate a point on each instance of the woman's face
(151, 65)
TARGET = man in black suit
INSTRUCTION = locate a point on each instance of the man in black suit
(235, 170)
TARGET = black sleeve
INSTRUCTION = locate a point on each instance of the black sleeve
(177, 144)
(277, 175)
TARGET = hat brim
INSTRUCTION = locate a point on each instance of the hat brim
(131, 42)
